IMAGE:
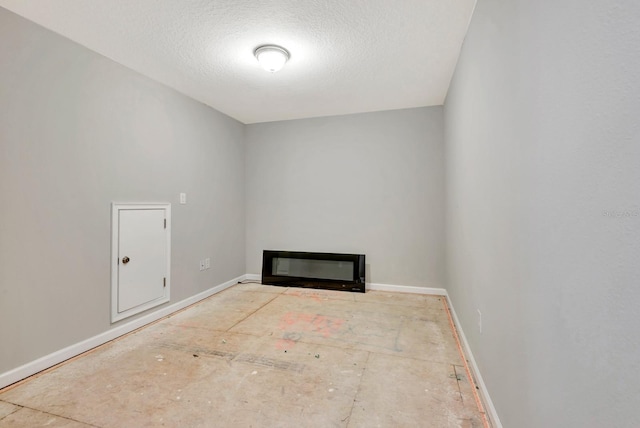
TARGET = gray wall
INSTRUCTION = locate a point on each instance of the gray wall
(78, 131)
(543, 208)
(366, 183)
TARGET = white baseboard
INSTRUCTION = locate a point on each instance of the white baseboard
(57, 357)
(407, 289)
(484, 393)
(253, 277)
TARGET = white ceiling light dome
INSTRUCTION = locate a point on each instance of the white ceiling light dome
(271, 57)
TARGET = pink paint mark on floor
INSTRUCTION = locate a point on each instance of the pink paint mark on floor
(313, 323)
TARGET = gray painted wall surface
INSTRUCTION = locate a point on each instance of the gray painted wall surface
(78, 131)
(367, 183)
(543, 208)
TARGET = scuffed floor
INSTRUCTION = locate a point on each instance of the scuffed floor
(261, 356)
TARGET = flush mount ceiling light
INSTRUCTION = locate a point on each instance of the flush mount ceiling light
(271, 57)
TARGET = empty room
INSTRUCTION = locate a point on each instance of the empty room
(320, 213)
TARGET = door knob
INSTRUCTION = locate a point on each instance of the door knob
(125, 260)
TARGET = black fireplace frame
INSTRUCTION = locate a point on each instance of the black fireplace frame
(356, 284)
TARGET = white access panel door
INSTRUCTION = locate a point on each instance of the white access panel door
(141, 258)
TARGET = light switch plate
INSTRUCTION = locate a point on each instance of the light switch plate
(183, 198)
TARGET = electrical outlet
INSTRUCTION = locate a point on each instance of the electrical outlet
(479, 321)
(207, 263)
(202, 265)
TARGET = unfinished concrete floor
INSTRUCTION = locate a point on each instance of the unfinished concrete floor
(262, 356)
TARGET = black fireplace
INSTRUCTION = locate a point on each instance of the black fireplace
(344, 272)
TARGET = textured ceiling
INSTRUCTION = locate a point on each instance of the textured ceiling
(347, 56)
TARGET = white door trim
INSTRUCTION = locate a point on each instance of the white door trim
(115, 238)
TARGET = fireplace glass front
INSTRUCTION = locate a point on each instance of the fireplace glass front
(314, 270)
